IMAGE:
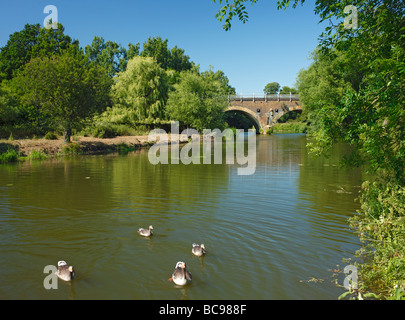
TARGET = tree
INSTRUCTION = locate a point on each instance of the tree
(354, 92)
(157, 48)
(31, 42)
(67, 88)
(288, 90)
(179, 61)
(9, 111)
(198, 101)
(221, 78)
(271, 88)
(143, 88)
(133, 51)
(111, 55)
(174, 59)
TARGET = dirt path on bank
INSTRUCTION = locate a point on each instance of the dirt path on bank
(88, 145)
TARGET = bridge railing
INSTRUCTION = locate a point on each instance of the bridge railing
(264, 97)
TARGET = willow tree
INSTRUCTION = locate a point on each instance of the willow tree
(142, 88)
(67, 88)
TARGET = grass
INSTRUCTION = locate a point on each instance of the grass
(290, 127)
(71, 149)
(11, 155)
(37, 155)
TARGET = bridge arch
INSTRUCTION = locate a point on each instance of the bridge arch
(284, 112)
(249, 114)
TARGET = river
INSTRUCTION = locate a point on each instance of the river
(276, 234)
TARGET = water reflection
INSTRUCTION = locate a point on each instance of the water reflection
(264, 233)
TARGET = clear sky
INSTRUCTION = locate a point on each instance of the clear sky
(273, 46)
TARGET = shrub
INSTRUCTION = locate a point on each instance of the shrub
(51, 136)
(37, 155)
(71, 149)
(11, 155)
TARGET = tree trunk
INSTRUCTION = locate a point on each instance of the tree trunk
(67, 134)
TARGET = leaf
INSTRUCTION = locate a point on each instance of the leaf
(371, 295)
(344, 295)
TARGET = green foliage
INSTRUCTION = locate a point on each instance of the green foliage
(110, 55)
(50, 136)
(71, 149)
(142, 89)
(198, 101)
(11, 155)
(288, 90)
(381, 226)
(271, 88)
(29, 43)
(124, 148)
(9, 112)
(290, 127)
(221, 78)
(228, 11)
(67, 88)
(37, 155)
(168, 59)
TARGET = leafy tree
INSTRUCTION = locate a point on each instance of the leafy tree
(221, 78)
(133, 50)
(198, 101)
(158, 49)
(67, 88)
(288, 90)
(271, 88)
(9, 111)
(111, 55)
(31, 42)
(173, 59)
(179, 61)
(143, 88)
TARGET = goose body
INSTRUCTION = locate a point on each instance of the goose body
(181, 276)
(65, 272)
(198, 250)
(146, 232)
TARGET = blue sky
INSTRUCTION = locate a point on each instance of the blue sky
(273, 46)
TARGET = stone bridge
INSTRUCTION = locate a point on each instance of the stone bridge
(265, 110)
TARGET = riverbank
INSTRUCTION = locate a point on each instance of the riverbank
(21, 149)
(290, 127)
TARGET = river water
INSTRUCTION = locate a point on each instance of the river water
(277, 234)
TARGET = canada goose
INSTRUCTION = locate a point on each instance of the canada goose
(181, 275)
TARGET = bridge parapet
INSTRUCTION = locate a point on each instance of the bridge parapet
(264, 97)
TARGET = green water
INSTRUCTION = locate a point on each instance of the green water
(266, 234)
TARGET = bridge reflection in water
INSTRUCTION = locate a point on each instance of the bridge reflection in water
(264, 110)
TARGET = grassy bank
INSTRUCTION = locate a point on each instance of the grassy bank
(38, 149)
(290, 127)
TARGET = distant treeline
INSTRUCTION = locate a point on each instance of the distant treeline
(51, 84)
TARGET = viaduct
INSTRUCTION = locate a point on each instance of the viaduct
(264, 110)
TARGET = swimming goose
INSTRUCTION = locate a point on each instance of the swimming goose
(181, 275)
(198, 250)
(146, 232)
(65, 272)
